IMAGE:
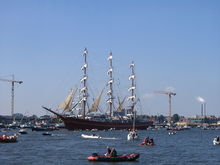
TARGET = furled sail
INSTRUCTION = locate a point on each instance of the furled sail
(83, 89)
(83, 79)
(110, 70)
(110, 58)
(120, 106)
(109, 92)
(110, 81)
(84, 67)
(66, 105)
(131, 97)
(131, 88)
(95, 105)
(131, 77)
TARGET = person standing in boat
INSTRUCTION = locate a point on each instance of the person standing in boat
(113, 153)
(108, 151)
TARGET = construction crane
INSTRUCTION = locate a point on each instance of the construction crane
(12, 92)
(170, 95)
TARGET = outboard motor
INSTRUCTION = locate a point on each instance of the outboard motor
(94, 154)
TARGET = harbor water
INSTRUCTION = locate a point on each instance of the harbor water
(188, 147)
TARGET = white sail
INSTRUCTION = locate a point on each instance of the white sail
(95, 105)
(83, 79)
(109, 92)
(131, 88)
(132, 65)
(131, 77)
(83, 89)
(109, 58)
(131, 97)
(66, 105)
(84, 67)
(85, 52)
(110, 81)
(110, 70)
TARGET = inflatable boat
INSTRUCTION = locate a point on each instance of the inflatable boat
(129, 157)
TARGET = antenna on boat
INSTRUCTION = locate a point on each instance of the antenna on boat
(84, 90)
(110, 83)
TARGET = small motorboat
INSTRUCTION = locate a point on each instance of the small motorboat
(121, 158)
(93, 136)
(22, 131)
(8, 139)
(132, 135)
(47, 134)
(216, 141)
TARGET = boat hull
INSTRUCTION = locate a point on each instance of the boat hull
(90, 136)
(130, 157)
(8, 139)
(73, 123)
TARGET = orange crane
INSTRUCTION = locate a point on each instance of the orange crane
(170, 95)
(12, 91)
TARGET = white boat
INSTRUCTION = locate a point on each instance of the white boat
(132, 135)
(93, 136)
(216, 141)
(22, 131)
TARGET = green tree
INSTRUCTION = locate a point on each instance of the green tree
(175, 118)
(161, 119)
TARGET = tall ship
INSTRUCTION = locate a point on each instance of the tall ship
(117, 118)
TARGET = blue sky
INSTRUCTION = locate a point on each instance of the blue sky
(173, 44)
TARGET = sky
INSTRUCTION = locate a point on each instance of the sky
(175, 45)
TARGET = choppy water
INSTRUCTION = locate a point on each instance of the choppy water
(67, 148)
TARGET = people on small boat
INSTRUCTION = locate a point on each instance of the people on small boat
(6, 138)
(113, 152)
(147, 141)
(108, 151)
(217, 139)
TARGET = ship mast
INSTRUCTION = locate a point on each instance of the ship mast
(110, 83)
(84, 90)
(132, 89)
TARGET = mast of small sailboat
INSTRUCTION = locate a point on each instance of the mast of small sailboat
(110, 83)
(84, 82)
(132, 97)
